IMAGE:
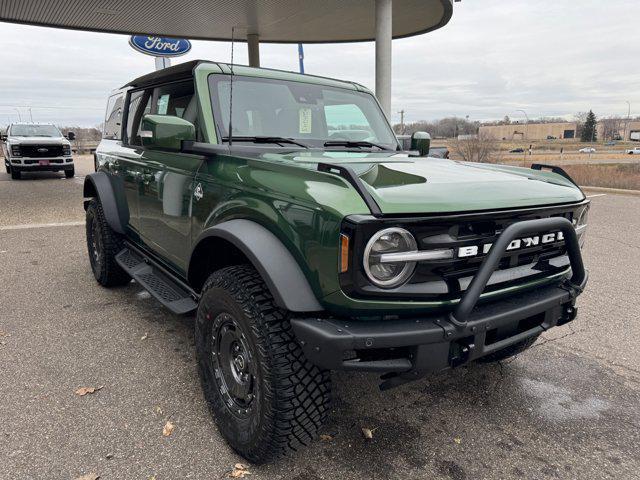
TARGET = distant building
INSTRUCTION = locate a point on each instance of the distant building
(621, 130)
(531, 131)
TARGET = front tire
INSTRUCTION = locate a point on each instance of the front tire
(103, 244)
(70, 173)
(267, 399)
(15, 174)
(7, 168)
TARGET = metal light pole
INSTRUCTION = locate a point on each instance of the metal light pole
(626, 125)
(526, 135)
(526, 125)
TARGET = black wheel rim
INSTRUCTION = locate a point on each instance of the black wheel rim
(233, 365)
(95, 243)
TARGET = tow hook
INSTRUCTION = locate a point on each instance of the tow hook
(460, 352)
(569, 313)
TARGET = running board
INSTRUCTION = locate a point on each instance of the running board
(158, 284)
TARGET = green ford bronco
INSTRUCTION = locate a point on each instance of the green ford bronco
(282, 210)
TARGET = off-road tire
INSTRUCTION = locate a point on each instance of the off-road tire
(70, 173)
(7, 168)
(510, 351)
(108, 243)
(16, 174)
(292, 397)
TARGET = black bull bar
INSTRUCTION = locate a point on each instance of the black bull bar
(437, 341)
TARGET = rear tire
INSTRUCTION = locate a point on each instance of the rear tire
(267, 399)
(103, 244)
(70, 173)
(510, 351)
(16, 174)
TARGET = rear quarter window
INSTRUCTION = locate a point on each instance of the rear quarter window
(113, 118)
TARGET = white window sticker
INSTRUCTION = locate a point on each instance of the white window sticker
(305, 120)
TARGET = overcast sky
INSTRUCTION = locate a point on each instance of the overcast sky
(548, 57)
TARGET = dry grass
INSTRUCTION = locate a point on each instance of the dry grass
(617, 175)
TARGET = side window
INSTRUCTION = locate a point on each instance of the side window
(176, 99)
(113, 118)
(139, 106)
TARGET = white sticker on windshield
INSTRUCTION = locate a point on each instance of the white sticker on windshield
(305, 120)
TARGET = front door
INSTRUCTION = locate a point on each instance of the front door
(167, 182)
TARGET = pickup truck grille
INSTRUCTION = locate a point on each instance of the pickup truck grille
(444, 280)
(41, 151)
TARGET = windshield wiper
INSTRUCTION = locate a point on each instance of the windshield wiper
(353, 143)
(276, 140)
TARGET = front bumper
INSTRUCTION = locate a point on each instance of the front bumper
(408, 348)
(34, 164)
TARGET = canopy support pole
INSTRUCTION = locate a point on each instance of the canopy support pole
(384, 36)
(253, 43)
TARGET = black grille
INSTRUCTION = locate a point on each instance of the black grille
(41, 151)
(447, 279)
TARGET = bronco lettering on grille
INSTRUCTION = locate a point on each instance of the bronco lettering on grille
(518, 244)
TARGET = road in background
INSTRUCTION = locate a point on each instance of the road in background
(567, 408)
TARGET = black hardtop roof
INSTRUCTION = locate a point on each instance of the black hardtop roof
(176, 72)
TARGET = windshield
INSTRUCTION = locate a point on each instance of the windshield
(311, 114)
(35, 131)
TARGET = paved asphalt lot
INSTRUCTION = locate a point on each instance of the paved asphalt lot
(567, 408)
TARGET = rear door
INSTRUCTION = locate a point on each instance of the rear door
(166, 192)
(118, 159)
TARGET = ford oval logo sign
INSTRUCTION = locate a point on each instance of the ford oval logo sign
(160, 46)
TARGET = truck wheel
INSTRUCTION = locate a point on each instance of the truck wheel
(267, 399)
(103, 245)
(7, 168)
(70, 173)
(509, 351)
(15, 174)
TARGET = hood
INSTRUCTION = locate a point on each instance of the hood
(38, 140)
(402, 185)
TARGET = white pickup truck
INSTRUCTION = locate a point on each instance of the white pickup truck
(634, 151)
(31, 147)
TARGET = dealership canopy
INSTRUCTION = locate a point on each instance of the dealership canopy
(277, 21)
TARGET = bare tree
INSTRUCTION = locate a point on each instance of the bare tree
(482, 148)
(611, 127)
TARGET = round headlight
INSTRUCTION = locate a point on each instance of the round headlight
(383, 273)
(580, 222)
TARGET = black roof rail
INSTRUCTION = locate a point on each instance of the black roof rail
(350, 176)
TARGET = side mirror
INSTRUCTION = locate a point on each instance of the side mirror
(165, 132)
(421, 142)
(3, 137)
(71, 136)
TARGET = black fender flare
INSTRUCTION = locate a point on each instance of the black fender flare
(278, 268)
(110, 192)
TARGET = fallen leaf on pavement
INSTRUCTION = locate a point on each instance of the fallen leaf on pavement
(168, 429)
(326, 438)
(82, 391)
(368, 433)
(457, 440)
(158, 410)
(88, 476)
(144, 337)
(239, 471)
(4, 334)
